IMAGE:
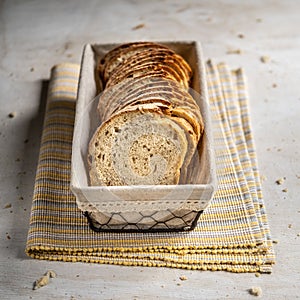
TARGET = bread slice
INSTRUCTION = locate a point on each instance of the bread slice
(180, 101)
(160, 56)
(116, 56)
(147, 86)
(143, 69)
(112, 95)
(139, 145)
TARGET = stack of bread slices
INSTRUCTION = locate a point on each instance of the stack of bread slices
(150, 123)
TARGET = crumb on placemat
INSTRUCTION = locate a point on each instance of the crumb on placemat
(255, 291)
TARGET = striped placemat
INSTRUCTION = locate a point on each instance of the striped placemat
(232, 234)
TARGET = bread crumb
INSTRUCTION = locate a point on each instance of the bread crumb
(298, 234)
(44, 280)
(285, 190)
(12, 115)
(139, 26)
(8, 205)
(265, 59)
(179, 284)
(258, 20)
(52, 274)
(275, 241)
(280, 181)
(263, 178)
(8, 236)
(274, 85)
(290, 226)
(255, 291)
(257, 274)
(183, 278)
(184, 8)
(32, 69)
(241, 36)
(234, 51)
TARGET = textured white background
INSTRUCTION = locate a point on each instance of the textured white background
(35, 35)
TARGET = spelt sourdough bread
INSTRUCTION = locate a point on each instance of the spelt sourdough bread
(151, 125)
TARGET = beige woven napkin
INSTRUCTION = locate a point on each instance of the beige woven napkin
(232, 234)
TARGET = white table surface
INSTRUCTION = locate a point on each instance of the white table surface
(35, 35)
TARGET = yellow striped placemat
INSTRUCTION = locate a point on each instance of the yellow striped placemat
(232, 233)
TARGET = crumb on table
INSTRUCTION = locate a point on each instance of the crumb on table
(255, 291)
(265, 59)
(234, 51)
(12, 114)
(280, 181)
(183, 278)
(44, 280)
(139, 26)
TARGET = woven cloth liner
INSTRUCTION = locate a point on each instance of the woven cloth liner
(232, 233)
